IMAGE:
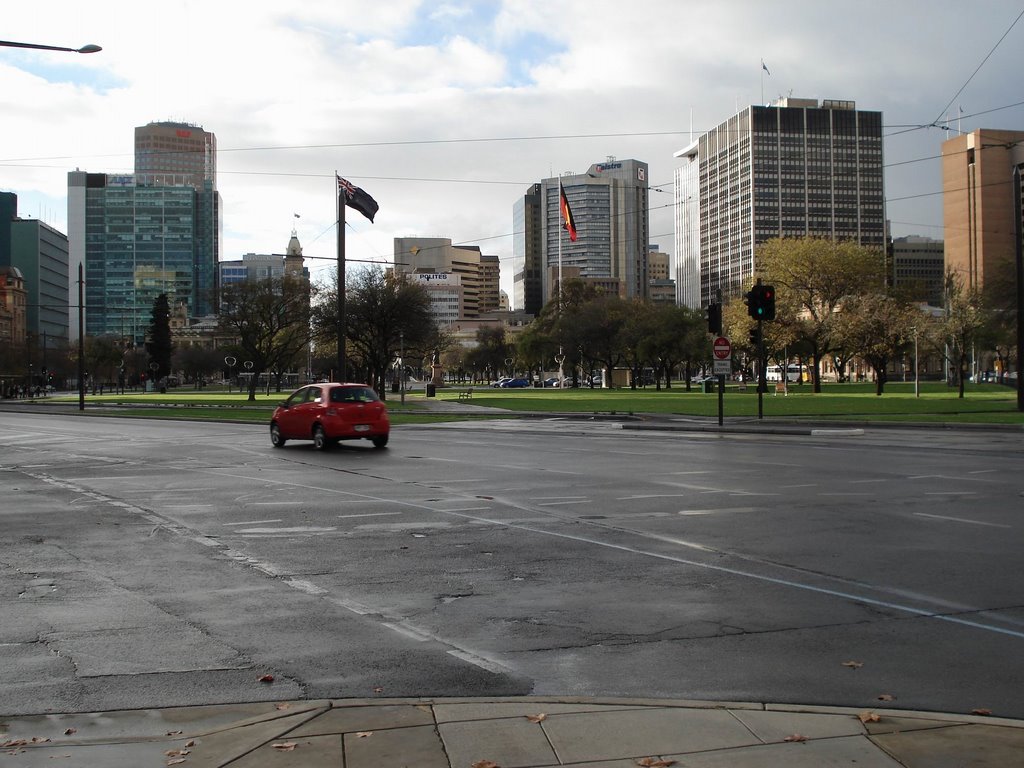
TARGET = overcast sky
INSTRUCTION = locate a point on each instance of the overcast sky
(445, 112)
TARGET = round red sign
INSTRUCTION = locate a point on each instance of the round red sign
(721, 348)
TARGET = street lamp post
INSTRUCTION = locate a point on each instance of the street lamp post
(84, 49)
(230, 362)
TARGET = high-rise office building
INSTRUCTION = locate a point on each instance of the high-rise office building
(528, 252)
(918, 268)
(437, 255)
(609, 206)
(978, 202)
(158, 231)
(40, 254)
(796, 168)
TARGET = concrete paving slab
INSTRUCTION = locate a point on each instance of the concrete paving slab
(139, 650)
(220, 748)
(511, 742)
(891, 724)
(126, 755)
(32, 663)
(311, 752)
(633, 733)
(342, 719)
(447, 713)
(978, 746)
(774, 727)
(845, 752)
(417, 747)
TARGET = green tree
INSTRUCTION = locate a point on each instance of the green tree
(383, 314)
(158, 339)
(877, 328)
(271, 320)
(812, 277)
(677, 335)
(964, 320)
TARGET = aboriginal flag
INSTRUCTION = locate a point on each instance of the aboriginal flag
(569, 222)
(357, 198)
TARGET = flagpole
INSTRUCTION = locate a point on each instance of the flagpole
(341, 282)
(560, 246)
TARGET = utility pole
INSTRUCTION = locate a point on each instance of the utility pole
(1018, 227)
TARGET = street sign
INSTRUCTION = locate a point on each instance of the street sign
(721, 348)
(721, 367)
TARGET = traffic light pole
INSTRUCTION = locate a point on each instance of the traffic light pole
(762, 381)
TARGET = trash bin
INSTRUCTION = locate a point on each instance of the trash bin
(708, 386)
(431, 390)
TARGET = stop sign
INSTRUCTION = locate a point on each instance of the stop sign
(721, 348)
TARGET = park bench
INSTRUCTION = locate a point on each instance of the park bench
(466, 394)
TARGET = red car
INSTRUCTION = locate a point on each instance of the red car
(328, 413)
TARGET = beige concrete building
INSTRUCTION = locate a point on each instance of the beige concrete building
(478, 272)
(977, 201)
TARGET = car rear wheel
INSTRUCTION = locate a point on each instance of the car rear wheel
(320, 440)
(380, 441)
(275, 436)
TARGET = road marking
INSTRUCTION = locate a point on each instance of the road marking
(556, 498)
(802, 485)
(545, 504)
(305, 586)
(950, 493)
(370, 514)
(254, 522)
(410, 632)
(869, 480)
(962, 520)
(479, 661)
(981, 471)
(274, 503)
(716, 511)
(297, 529)
(652, 496)
(187, 506)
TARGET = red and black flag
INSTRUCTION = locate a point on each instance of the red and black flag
(357, 198)
(569, 222)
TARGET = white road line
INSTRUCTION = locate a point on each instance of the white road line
(305, 586)
(802, 485)
(556, 498)
(187, 506)
(652, 496)
(547, 504)
(254, 522)
(962, 520)
(272, 503)
(479, 661)
(950, 493)
(869, 480)
(981, 471)
(370, 514)
(410, 632)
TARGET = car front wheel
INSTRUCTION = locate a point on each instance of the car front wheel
(275, 436)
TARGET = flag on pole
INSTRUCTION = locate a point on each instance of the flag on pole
(357, 198)
(569, 222)
(765, 67)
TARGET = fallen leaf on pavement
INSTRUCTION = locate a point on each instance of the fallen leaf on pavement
(653, 762)
(267, 679)
(795, 737)
(176, 752)
(285, 746)
(869, 717)
(175, 733)
(887, 697)
(537, 718)
(176, 761)
(364, 734)
(190, 743)
(283, 705)
(853, 664)
(70, 731)
(378, 689)
(981, 711)
(485, 764)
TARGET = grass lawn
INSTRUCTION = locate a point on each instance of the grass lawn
(983, 403)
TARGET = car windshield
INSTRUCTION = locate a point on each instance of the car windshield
(353, 395)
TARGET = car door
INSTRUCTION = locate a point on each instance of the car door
(294, 418)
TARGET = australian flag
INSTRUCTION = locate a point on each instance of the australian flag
(357, 198)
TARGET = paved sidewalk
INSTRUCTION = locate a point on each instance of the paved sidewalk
(509, 733)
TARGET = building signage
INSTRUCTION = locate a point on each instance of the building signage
(608, 166)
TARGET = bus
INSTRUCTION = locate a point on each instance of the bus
(794, 373)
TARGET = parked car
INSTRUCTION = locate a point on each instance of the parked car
(553, 381)
(516, 384)
(329, 413)
(501, 382)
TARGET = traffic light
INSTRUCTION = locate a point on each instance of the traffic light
(761, 302)
(755, 337)
(715, 318)
(768, 302)
(754, 301)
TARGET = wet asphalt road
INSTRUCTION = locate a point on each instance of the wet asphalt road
(149, 563)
